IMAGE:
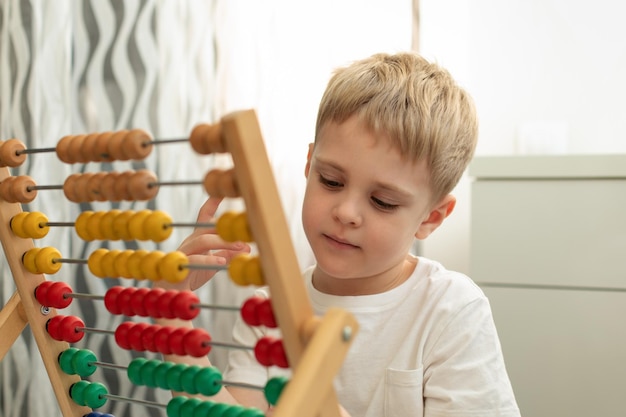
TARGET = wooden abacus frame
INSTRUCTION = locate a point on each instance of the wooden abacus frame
(315, 347)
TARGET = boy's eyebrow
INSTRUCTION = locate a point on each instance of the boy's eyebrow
(385, 186)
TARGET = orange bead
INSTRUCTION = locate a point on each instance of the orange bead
(69, 187)
(211, 183)
(45, 260)
(63, 149)
(94, 184)
(120, 188)
(82, 187)
(137, 144)
(35, 225)
(9, 153)
(6, 190)
(81, 225)
(88, 148)
(172, 268)
(22, 189)
(157, 226)
(107, 186)
(100, 149)
(214, 138)
(114, 148)
(75, 148)
(94, 262)
(17, 225)
(227, 184)
(142, 185)
(198, 141)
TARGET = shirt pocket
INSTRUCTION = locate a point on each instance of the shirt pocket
(403, 393)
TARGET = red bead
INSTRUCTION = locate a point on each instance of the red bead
(56, 295)
(41, 292)
(53, 326)
(135, 339)
(182, 305)
(262, 350)
(176, 341)
(150, 302)
(162, 340)
(121, 334)
(164, 304)
(123, 301)
(148, 337)
(266, 314)
(136, 301)
(277, 354)
(197, 343)
(110, 300)
(68, 329)
(249, 311)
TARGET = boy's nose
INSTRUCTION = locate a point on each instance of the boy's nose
(347, 212)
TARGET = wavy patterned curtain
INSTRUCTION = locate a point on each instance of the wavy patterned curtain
(70, 67)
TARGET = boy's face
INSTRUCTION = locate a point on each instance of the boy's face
(362, 209)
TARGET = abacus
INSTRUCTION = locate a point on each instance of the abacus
(313, 347)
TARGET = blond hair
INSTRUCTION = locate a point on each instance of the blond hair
(416, 104)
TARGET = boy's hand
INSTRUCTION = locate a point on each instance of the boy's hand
(204, 247)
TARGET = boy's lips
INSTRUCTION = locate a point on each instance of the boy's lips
(337, 241)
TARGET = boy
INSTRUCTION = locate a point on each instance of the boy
(394, 134)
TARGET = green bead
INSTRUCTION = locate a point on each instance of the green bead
(252, 412)
(173, 407)
(233, 411)
(95, 395)
(65, 361)
(77, 392)
(187, 379)
(173, 376)
(273, 388)
(218, 410)
(188, 407)
(202, 410)
(82, 361)
(160, 374)
(147, 372)
(208, 380)
(134, 371)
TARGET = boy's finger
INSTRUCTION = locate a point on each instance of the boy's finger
(208, 209)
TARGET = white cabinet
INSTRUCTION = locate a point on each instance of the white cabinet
(548, 247)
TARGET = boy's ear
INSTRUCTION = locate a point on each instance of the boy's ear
(436, 217)
(307, 167)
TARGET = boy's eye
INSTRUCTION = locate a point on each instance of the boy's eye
(329, 183)
(383, 205)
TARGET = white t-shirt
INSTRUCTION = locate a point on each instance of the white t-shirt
(428, 347)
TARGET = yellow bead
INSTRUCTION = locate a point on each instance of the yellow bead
(236, 269)
(120, 224)
(35, 225)
(94, 225)
(120, 264)
(156, 226)
(45, 260)
(240, 228)
(134, 262)
(173, 267)
(135, 224)
(150, 265)
(108, 263)
(224, 226)
(28, 260)
(106, 225)
(253, 271)
(17, 225)
(80, 225)
(94, 262)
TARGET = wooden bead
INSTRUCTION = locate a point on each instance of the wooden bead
(121, 263)
(120, 225)
(136, 223)
(94, 184)
(88, 148)
(35, 225)
(28, 260)
(6, 190)
(142, 185)
(227, 185)
(17, 224)
(107, 186)
(106, 224)
(156, 227)
(240, 229)
(149, 265)
(114, 148)
(172, 267)
(82, 187)
(80, 225)
(93, 226)
(197, 139)
(63, 149)
(108, 263)
(254, 272)
(101, 147)
(211, 183)
(236, 269)
(136, 145)
(215, 139)
(94, 262)
(134, 262)
(120, 188)
(76, 148)
(69, 187)
(9, 156)
(22, 189)
(224, 226)
(45, 260)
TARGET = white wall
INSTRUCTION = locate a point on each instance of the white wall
(548, 76)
